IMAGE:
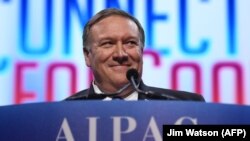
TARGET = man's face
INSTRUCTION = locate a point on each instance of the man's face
(114, 48)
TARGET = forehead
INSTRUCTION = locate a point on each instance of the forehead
(114, 25)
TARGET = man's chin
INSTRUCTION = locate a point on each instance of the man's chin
(121, 84)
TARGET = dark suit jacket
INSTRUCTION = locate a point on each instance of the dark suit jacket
(89, 93)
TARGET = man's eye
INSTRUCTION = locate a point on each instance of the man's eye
(132, 43)
(106, 44)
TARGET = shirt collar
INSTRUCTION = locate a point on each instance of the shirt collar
(132, 96)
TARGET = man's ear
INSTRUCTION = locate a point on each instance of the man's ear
(87, 57)
(142, 49)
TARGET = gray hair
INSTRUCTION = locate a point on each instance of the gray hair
(106, 13)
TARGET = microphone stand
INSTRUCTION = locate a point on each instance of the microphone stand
(117, 92)
(150, 94)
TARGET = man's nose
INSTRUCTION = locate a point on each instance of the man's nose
(120, 54)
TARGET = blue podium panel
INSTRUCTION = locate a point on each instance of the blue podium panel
(111, 120)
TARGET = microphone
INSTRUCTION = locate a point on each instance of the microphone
(132, 75)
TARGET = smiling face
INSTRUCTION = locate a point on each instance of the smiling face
(115, 47)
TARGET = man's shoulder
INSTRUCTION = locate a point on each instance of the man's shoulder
(177, 94)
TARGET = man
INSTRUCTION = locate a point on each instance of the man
(113, 43)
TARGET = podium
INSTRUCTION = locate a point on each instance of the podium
(111, 120)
